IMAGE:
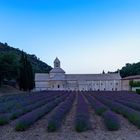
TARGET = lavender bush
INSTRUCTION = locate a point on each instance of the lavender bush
(18, 112)
(96, 105)
(56, 118)
(132, 115)
(132, 105)
(82, 122)
(111, 120)
(28, 119)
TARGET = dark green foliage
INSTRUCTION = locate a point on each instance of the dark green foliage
(130, 69)
(8, 67)
(101, 110)
(9, 63)
(111, 121)
(26, 76)
(138, 91)
(4, 119)
(134, 83)
(37, 64)
(21, 126)
(0, 74)
(52, 126)
(81, 124)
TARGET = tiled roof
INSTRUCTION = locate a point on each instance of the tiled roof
(41, 77)
(112, 76)
(72, 77)
(57, 70)
(131, 77)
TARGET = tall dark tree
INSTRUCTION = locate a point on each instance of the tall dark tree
(30, 74)
(8, 67)
(26, 76)
(21, 72)
(0, 74)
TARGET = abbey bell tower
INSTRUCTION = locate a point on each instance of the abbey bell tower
(56, 63)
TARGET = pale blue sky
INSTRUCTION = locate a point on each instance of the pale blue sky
(88, 36)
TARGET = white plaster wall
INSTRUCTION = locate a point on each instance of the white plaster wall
(57, 85)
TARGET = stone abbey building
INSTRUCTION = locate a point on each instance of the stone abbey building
(57, 79)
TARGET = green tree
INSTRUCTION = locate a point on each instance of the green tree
(130, 69)
(26, 76)
(8, 67)
(0, 74)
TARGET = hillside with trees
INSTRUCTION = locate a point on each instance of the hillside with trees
(37, 64)
(130, 69)
(12, 68)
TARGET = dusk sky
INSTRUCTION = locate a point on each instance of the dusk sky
(88, 36)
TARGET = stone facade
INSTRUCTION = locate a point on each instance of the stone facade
(58, 80)
(126, 80)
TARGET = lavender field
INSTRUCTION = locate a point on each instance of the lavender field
(62, 115)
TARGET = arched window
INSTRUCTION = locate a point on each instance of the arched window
(56, 64)
(58, 86)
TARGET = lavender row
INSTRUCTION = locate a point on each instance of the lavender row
(132, 115)
(82, 122)
(5, 118)
(111, 120)
(30, 99)
(129, 100)
(132, 105)
(55, 120)
(120, 95)
(28, 119)
(13, 104)
(96, 105)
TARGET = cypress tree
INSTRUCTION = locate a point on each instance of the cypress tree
(21, 72)
(30, 75)
(26, 78)
(0, 76)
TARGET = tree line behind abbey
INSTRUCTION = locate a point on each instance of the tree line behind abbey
(21, 67)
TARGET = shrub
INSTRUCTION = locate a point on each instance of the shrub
(28, 119)
(132, 105)
(82, 122)
(4, 119)
(98, 106)
(111, 120)
(56, 118)
(132, 115)
(21, 126)
(19, 112)
(138, 91)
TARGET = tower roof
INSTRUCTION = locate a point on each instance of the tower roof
(57, 60)
(57, 68)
